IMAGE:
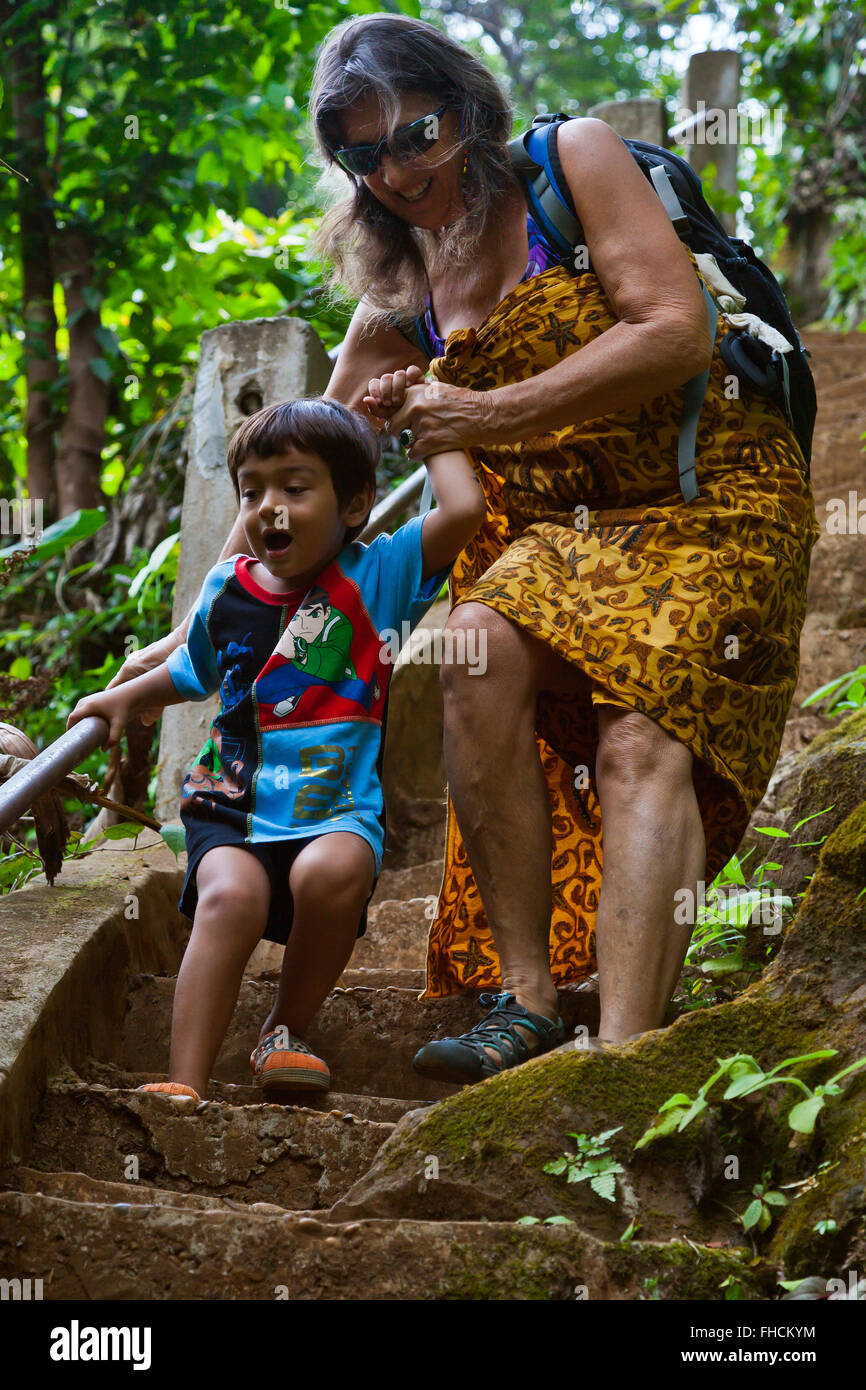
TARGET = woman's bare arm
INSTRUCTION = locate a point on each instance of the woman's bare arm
(366, 356)
(662, 337)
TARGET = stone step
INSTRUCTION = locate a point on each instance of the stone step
(290, 1156)
(386, 1109)
(418, 881)
(154, 1252)
(376, 977)
(367, 1036)
(396, 935)
(395, 939)
(81, 1187)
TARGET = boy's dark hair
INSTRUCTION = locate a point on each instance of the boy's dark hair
(346, 442)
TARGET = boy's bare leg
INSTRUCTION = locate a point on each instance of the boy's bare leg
(233, 899)
(330, 882)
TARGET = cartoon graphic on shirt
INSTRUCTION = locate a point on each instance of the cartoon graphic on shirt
(232, 671)
(315, 650)
(219, 768)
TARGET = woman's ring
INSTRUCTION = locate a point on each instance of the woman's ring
(407, 439)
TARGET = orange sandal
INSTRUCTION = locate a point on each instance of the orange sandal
(174, 1089)
(283, 1063)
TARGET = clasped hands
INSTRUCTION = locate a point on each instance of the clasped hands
(440, 416)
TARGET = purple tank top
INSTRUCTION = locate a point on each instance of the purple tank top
(541, 257)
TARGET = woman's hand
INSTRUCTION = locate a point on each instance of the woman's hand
(440, 416)
(139, 662)
(112, 705)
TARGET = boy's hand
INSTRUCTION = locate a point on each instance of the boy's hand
(387, 393)
(112, 705)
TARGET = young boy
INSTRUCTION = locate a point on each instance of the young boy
(283, 810)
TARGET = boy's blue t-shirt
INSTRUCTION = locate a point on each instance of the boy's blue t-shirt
(296, 748)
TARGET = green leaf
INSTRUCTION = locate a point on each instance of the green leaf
(100, 368)
(772, 830)
(679, 1100)
(558, 1221)
(806, 819)
(528, 1221)
(175, 838)
(723, 965)
(21, 669)
(776, 1199)
(602, 1138)
(126, 830)
(664, 1127)
(156, 561)
(804, 1114)
(818, 1056)
(697, 1108)
(752, 1215)
(75, 527)
(557, 1166)
(742, 1085)
(604, 1184)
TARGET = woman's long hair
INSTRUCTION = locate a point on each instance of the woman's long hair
(367, 250)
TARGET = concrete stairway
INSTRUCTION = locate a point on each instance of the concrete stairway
(124, 1195)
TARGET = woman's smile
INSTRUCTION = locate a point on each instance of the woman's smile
(415, 195)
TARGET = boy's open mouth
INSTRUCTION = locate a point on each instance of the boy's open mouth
(276, 542)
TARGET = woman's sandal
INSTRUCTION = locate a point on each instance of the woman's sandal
(285, 1063)
(175, 1090)
(466, 1059)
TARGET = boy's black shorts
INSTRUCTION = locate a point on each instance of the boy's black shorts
(278, 857)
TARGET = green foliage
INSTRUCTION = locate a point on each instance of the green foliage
(566, 57)
(844, 693)
(746, 1077)
(593, 1162)
(53, 656)
(741, 896)
(178, 143)
(759, 1213)
(822, 1228)
(804, 60)
(57, 539)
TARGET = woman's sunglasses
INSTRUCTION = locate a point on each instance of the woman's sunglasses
(407, 142)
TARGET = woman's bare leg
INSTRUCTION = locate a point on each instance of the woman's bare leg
(653, 846)
(653, 835)
(499, 791)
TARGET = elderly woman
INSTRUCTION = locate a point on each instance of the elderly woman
(641, 652)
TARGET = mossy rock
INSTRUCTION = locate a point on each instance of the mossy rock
(491, 1141)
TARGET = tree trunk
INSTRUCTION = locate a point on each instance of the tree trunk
(25, 65)
(83, 431)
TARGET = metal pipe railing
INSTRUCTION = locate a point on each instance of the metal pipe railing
(394, 504)
(50, 767)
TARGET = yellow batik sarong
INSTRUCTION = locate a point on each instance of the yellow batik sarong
(689, 613)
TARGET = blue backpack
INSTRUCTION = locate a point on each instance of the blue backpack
(784, 377)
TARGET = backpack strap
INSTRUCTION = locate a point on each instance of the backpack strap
(673, 207)
(693, 403)
(534, 156)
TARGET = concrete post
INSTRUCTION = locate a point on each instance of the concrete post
(638, 118)
(711, 91)
(243, 366)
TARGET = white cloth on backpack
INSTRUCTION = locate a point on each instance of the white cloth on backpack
(731, 301)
